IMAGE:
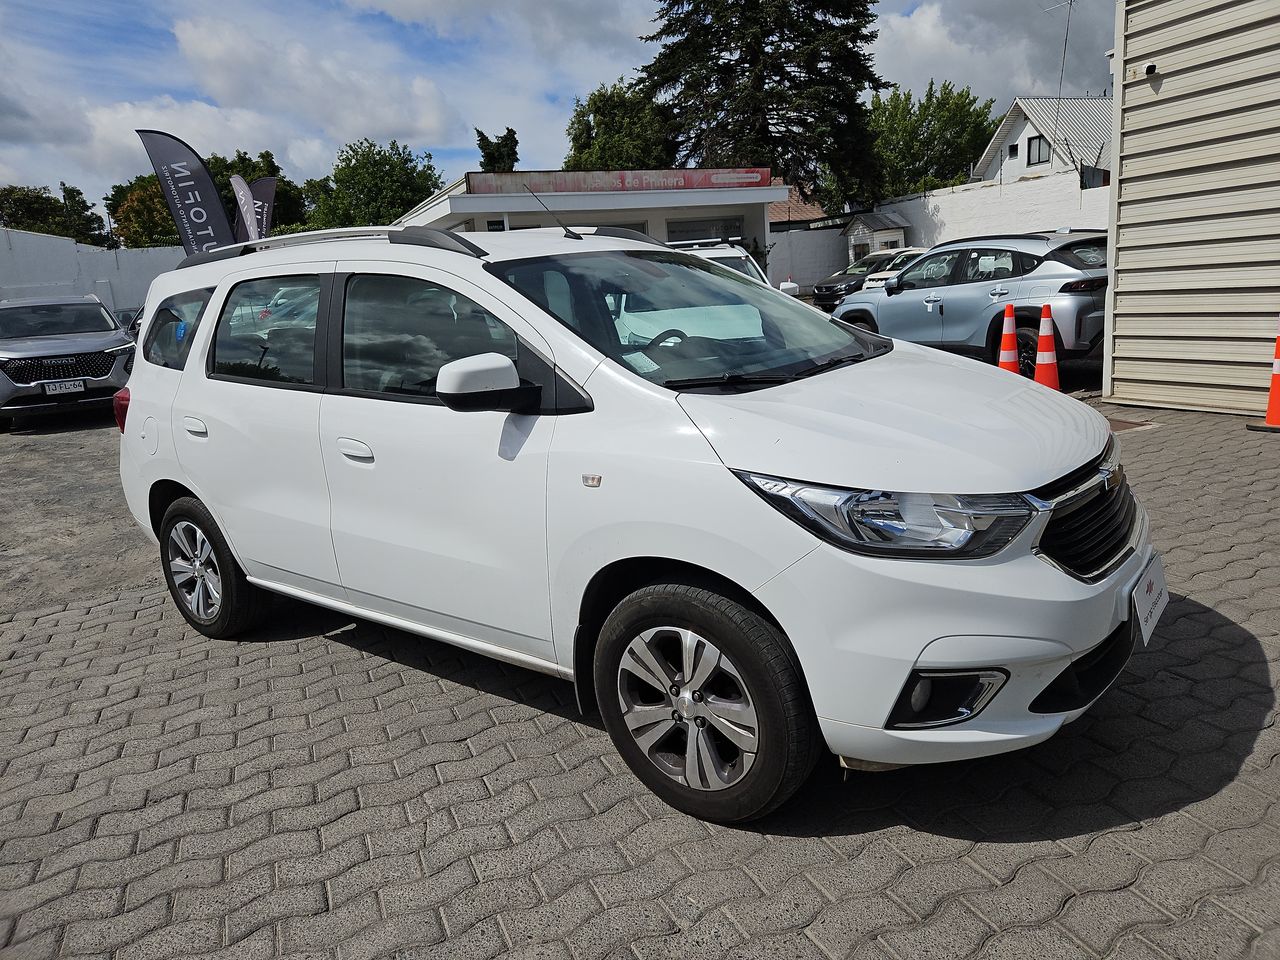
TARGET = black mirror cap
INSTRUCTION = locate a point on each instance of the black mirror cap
(526, 398)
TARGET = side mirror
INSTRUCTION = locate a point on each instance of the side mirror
(892, 285)
(135, 326)
(789, 288)
(487, 381)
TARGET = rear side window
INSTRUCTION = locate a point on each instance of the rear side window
(1083, 254)
(173, 328)
(397, 332)
(985, 265)
(267, 331)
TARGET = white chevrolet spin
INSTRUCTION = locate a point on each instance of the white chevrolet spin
(748, 533)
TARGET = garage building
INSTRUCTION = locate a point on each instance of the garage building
(1195, 224)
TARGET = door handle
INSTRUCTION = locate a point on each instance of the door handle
(355, 450)
(999, 292)
(933, 298)
(195, 427)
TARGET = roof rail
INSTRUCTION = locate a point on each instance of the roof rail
(421, 236)
(622, 233)
(708, 242)
(1037, 235)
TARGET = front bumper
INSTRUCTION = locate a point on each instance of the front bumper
(861, 625)
(827, 300)
(32, 400)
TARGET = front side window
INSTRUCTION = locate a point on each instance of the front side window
(54, 319)
(397, 332)
(1037, 150)
(267, 331)
(934, 271)
(983, 266)
(683, 322)
(174, 327)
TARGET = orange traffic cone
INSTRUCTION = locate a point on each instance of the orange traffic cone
(1046, 352)
(1271, 423)
(1009, 342)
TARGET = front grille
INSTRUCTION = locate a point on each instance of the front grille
(1087, 535)
(28, 370)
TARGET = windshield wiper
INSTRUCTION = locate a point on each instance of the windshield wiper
(831, 364)
(728, 380)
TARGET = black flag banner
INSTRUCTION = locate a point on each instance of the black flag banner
(188, 188)
(264, 196)
(246, 217)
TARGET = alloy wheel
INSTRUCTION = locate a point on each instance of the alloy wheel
(194, 569)
(687, 708)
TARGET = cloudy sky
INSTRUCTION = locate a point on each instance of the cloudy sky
(302, 77)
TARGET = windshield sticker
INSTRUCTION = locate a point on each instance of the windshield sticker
(639, 362)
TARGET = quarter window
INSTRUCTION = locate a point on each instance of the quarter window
(1037, 150)
(398, 332)
(981, 266)
(267, 331)
(932, 271)
(173, 327)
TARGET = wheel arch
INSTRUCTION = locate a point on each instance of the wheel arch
(1022, 316)
(617, 579)
(161, 495)
(860, 315)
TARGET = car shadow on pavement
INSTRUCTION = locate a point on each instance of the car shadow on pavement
(72, 420)
(1174, 729)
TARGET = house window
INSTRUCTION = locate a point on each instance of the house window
(1013, 151)
(1037, 150)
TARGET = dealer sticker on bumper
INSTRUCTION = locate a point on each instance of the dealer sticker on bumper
(1150, 597)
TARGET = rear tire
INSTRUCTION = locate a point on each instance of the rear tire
(1028, 347)
(727, 732)
(6, 424)
(207, 585)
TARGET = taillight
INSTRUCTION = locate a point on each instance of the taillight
(120, 404)
(1084, 286)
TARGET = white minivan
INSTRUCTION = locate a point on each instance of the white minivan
(752, 535)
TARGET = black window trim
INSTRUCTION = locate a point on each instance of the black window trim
(557, 404)
(319, 368)
(1048, 153)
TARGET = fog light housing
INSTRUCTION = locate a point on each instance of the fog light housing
(938, 698)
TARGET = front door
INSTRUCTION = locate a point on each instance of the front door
(439, 517)
(985, 281)
(246, 427)
(915, 312)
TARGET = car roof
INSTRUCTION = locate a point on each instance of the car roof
(49, 301)
(1043, 241)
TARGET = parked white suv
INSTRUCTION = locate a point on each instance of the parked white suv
(756, 535)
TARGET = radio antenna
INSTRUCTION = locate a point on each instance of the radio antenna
(567, 232)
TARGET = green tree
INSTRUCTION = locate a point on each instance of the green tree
(370, 185)
(38, 210)
(139, 214)
(770, 82)
(289, 207)
(498, 154)
(928, 143)
(620, 127)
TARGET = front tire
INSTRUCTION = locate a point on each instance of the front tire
(206, 583)
(704, 700)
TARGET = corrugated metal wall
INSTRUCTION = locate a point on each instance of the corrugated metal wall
(1195, 232)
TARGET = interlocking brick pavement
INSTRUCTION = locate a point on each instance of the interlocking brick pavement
(329, 789)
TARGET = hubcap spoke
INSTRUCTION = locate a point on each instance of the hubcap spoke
(203, 547)
(194, 569)
(640, 660)
(699, 659)
(649, 737)
(179, 541)
(213, 586)
(736, 721)
(183, 571)
(198, 599)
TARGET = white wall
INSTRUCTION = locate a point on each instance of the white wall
(1021, 206)
(806, 256)
(37, 265)
(1004, 167)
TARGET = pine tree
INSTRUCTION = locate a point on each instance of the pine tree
(770, 82)
(498, 154)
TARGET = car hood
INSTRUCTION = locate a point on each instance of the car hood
(912, 420)
(837, 278)
(63, 344)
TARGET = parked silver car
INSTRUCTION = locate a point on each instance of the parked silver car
(954, 295)
(58, 353)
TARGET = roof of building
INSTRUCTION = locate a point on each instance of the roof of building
(1076, 127)
(794, 209)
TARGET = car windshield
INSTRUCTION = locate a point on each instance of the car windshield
(740, 262)
(867, 265)
(683, 322)
(53, 319)
(901, 260)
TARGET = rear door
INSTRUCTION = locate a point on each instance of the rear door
(915, 311)
(246, 424)
(986, 279)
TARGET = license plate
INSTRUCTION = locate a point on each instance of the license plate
(1150, 597)
(66, 386)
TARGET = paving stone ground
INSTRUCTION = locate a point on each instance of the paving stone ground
(330, 789)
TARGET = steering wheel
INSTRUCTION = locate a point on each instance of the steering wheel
(667, 335)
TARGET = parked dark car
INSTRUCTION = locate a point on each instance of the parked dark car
(59, 353)
(827, 293)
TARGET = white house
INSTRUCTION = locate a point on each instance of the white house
(1044, 168)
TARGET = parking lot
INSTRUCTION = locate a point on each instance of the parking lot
(330, 788)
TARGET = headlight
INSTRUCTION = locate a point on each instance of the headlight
(883, 524)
